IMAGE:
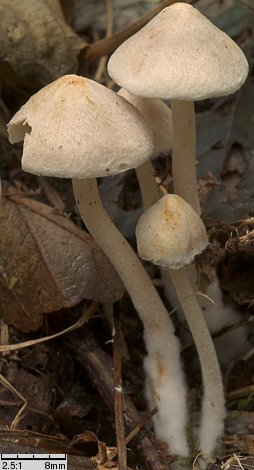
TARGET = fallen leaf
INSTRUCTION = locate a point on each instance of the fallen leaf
(225, 133)
(102, 454)
(36, 42)
(47, 263)
(225, 150)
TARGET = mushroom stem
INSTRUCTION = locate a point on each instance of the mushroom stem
(149, 189)
(213, 409)
(183, 280)
(163, 349)
(184, 152)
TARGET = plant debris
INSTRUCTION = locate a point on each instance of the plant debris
(61, 393)
(47, 263)
(36, 42)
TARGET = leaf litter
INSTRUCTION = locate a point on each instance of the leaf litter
(49, 243)
(47, 263)
(36, 42)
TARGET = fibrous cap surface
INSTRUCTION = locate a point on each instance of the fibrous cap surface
(180, 55)
(75, 127)
(170, 233)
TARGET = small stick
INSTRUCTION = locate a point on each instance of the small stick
(140, 426)
(118, 395)
(240, 392)
(109, 30)
(107, 46)
(98, 366)
(222, 332)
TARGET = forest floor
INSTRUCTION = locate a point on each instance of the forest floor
(57, 394)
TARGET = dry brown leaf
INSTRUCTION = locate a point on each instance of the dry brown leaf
(36, 42)
(102, 456)
(47, 263)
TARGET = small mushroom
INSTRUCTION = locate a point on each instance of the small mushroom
(170, 234)
(76, 128)
(180, 55)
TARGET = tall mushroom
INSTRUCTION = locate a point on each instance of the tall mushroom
(77, 128)
(180, 55)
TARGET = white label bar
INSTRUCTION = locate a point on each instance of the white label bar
(33, 461)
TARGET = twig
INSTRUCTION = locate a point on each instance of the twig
(4, 334)
(107, 46)
(119, 398)
(98, 365)
(240, 392)
(136, 430)
(249, 4)
(109, 32)
(225, 330)
(232, 327)
(140, 426)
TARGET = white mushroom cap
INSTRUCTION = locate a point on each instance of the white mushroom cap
(75, 127)
(158, 117)
(180, 55)
(170, 233)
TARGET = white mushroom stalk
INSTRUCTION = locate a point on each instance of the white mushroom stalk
(167, 388)
(149, 190)
(184, 152)
(213, 405)
(76, 128)
(169, 234)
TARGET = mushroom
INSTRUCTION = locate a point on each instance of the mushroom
(158, 117)
(152, 110)
(77, 128)
(180, 55)
(170, 234)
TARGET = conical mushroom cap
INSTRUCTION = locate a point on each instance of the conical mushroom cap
(75, 127)
(180, 55)
(170, 233)
(158, 117)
